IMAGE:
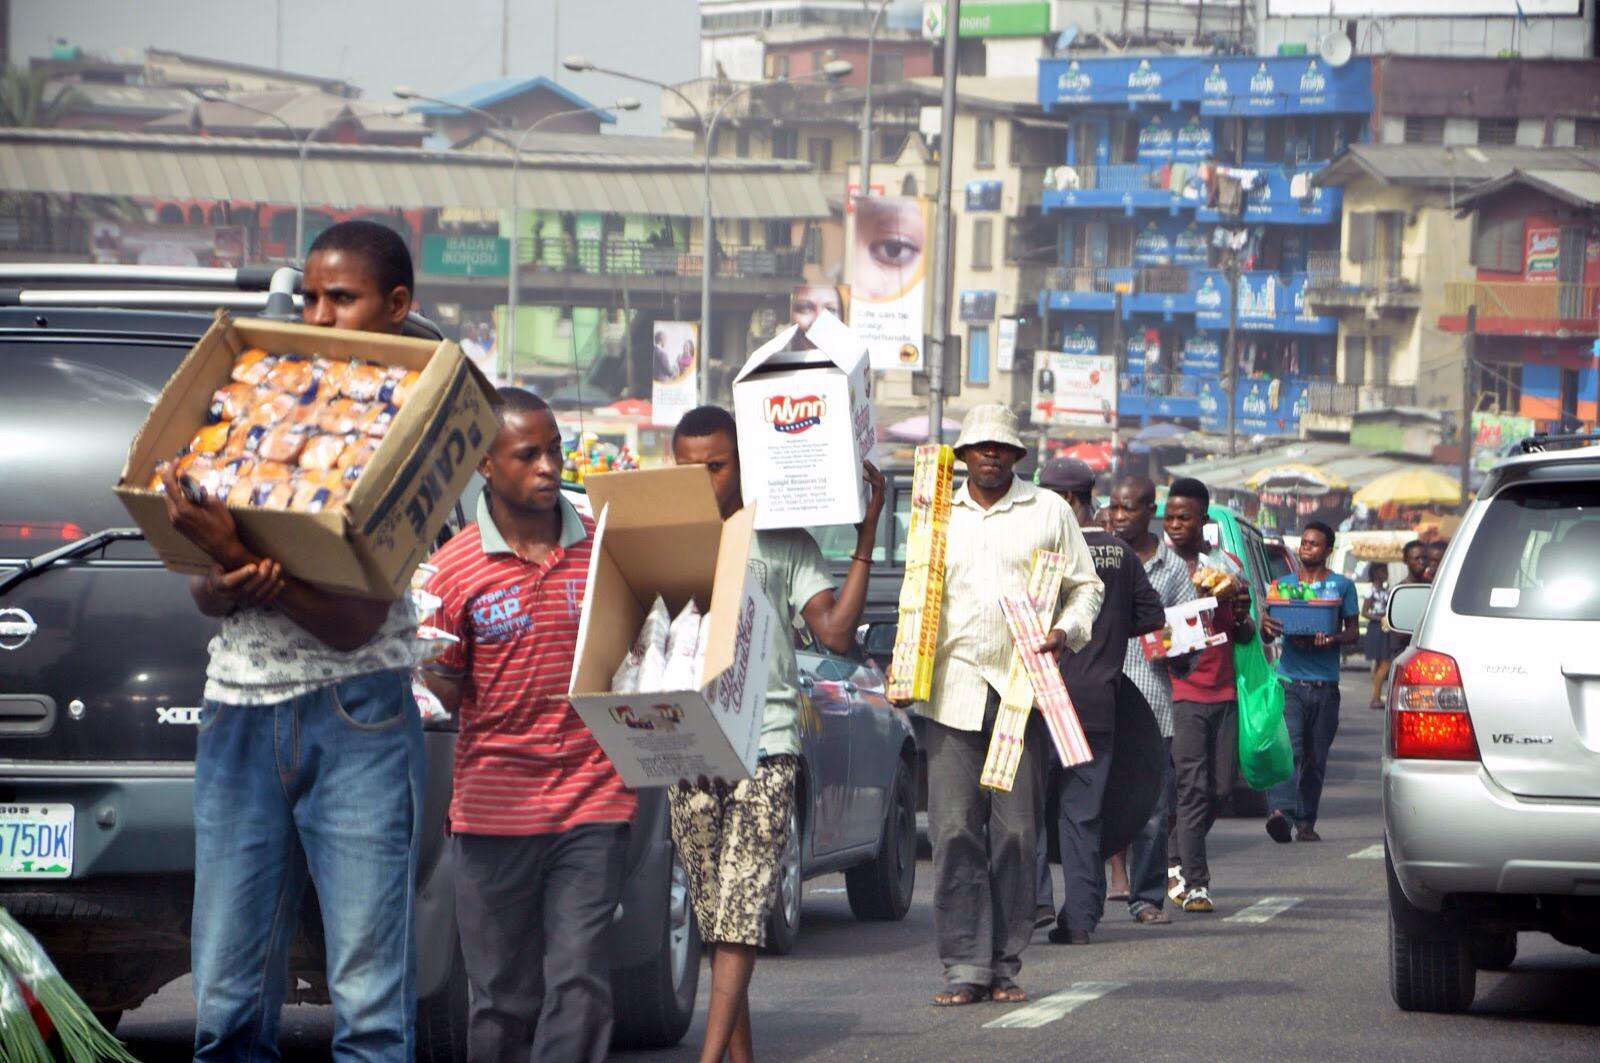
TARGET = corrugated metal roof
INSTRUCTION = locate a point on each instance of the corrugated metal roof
(486, 94)
(1438, 165)
(1355, 466)
(1580, 188)
(179, 167)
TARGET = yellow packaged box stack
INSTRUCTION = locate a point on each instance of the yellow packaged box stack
(1011, 723)
(917, 639)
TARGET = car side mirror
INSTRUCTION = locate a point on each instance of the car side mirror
(1406, 606)
(879, 640)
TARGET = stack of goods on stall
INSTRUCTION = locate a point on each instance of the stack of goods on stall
(593, 455)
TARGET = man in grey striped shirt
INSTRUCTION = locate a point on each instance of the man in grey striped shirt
(1132, 514)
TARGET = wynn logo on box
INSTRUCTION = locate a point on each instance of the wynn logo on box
(791, 415)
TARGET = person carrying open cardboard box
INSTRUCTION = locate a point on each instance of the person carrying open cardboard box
(730, 838)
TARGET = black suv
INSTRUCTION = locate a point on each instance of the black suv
(102, 665)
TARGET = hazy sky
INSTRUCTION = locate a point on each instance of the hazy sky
(431, 45)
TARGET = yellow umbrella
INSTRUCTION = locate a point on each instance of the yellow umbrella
(1410, 487)
(1292, 475)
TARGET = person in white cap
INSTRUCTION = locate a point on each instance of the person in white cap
(983, 840)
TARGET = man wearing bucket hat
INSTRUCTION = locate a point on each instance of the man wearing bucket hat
(983, 841)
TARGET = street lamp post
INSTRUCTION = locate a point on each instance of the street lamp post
(866, 103)
(832, 71)
(303, 145)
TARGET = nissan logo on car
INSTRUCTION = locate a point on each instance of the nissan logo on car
(16, 628)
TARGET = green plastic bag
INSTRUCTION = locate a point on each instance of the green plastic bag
(1265, 756)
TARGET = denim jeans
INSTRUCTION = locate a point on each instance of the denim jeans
(1147, 853)
(1311, 711)
(328, 785)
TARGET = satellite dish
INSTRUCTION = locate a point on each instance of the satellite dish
(1335, 48)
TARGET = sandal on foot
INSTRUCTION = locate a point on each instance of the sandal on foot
(960, 995)
(1005, 991)
(1117, 894)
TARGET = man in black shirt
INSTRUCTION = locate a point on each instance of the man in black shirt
(1131, 608)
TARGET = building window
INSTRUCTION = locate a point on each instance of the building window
(1378, 361)
(779, 234)
(820, 153)
(785, 144)
(887, 68)
(908, 185)
(777, 66)
(1497, 131)
(978, 355)
(890, 143)
(1424, 129)
(1497, 244)
(1499, 387)
(1355, 360)
(1586, 133)
(813, 243)
(744, 232)
(983, 150)
(741, 144)
(982, 243)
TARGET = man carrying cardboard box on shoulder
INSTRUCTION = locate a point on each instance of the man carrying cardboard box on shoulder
(983, 841)
(730, 839)
(538, 815)
(310, 750)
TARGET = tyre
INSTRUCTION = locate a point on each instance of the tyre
(1430, 972)
(442, 1020)
(882, 889)
(1494, 951)
(655, 1000)
(783, 922)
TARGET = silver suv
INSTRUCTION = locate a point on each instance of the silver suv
(1491, 773)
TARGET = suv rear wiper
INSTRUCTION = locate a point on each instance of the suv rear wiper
(77, 548)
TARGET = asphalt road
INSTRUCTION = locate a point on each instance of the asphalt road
(1291, 967)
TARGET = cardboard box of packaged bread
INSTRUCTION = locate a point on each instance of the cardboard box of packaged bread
(340, 454)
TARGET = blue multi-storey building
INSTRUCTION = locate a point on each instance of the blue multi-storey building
(1162, 151)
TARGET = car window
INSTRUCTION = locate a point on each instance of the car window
(1533, 555)
(838, 541)
(68, 411)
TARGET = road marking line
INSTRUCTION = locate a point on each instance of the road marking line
(1048, 1009)
(1264, 909)
(828, 889)
(1371, 852)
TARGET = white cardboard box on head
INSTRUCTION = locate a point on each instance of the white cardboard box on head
(805, 427)
(659, 532)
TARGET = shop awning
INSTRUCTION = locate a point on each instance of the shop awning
(72, 162)
(1352, 466)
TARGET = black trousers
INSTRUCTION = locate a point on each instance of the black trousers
(1205, 758)
(533, 913)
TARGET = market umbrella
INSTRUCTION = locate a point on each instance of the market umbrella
(1161, 432)
(915, 429)
(1295, 477)
(1095, 455)
(631, 407)
(1420, 486)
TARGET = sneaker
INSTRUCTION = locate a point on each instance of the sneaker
(1278, 827)
(1043, 916)
(1198, 900)
(1175, 884)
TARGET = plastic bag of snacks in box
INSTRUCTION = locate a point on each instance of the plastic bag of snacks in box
(434, 642)
(592, 455)
(292, 432)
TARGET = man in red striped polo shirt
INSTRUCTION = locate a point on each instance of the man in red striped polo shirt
(538, 814)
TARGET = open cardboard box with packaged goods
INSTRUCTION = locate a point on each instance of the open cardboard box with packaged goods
(659, 532)
(805, 426)
(370, 545)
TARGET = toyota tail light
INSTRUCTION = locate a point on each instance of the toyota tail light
(1428, 709)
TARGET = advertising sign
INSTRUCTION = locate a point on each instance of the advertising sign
(1491, 432)
(1075, 389)
(128, 244)
(1543, 252)
(1020, 18)
(1189, 246)
(983, 195)
(1156, 140)
(674, 371)
(888, 278)
(1195, 141)
(1080, 341)
(977, 305)
(466, 256)
(1265, 406)
(1322, 9)
(806, 300)
(1152, 246)
(1201, 356)
(1006, 352)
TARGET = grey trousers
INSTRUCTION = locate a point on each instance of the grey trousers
(983, 851)
(533, 913)
(1205, 758)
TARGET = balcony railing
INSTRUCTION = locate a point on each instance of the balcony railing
(1163, 385)
(618, 257)
(1163, 280)
(1332, 399)
(1526, 305)
(1088, 278)
(1324, 269)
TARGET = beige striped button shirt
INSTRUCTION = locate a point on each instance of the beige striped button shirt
(990, 553)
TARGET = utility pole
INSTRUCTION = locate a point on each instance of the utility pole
(866, 102)
(1233, 352)
(1119, 352)
(942, 249)
(1468, 365)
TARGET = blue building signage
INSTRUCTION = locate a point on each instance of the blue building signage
(1189, 246)
(1195, 141)
(1153, 245)
(1156, 140)
(1080, 341)
(1232, 86)
(1201, 355)
(1264, 406)
(1268, 302)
